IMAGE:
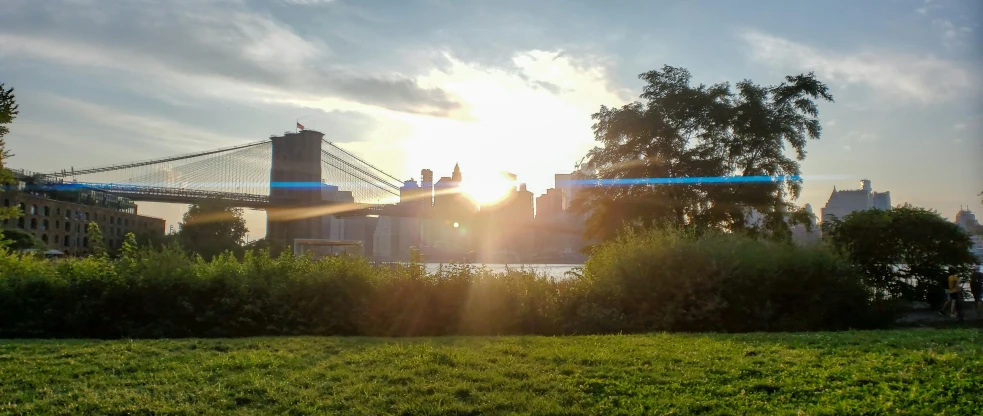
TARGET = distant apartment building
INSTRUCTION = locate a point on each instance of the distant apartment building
(842, 203)
(966, 220)
(550, 205)
(61, 220)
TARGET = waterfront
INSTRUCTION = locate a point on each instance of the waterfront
(556, 271)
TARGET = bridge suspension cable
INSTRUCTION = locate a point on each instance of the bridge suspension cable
(237, 173)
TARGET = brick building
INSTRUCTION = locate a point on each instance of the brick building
(63, 225)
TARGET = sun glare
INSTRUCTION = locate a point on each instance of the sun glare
(486, 189)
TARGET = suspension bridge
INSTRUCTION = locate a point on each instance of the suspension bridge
(243, 175)
(288, 176)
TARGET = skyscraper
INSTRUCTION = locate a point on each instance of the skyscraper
(842, 203)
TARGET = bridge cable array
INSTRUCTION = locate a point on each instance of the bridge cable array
(232, 173)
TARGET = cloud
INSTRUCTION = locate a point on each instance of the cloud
(959, 127)
(927, 8)
(862, 136)
(143, 128)
(847, 147)
(831, 123)
(952, 34)
(306, 2)
(925, 79)
(202, 47)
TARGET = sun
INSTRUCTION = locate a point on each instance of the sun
(487, 189)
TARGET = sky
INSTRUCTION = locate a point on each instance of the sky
(492, 85)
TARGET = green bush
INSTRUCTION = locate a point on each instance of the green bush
(642, 282)
(677, 281)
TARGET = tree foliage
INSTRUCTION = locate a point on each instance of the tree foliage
(211, 229)
(682, 131)
(16, 239)
(274, 248)
(905, 251)
(8, 111)
(96, 240)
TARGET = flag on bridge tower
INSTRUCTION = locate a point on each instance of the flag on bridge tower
(300, 126)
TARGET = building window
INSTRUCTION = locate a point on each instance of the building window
(119, 221)
(44, 225)
(46, 210)
(57, 225)
(23, 209)
(78, 227)
(44, 238)
(34, 209)
(20, 222)
(34, 223)
(68, 227)
(68, 214)
(112, 220)
(66, 241)
(6, 203)
(57, 211)
(85, 242)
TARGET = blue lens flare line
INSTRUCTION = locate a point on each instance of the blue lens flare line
(707, 180)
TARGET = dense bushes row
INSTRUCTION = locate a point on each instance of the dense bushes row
(646, 282)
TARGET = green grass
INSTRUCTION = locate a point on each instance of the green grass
(876, 372)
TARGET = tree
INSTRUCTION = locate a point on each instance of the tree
(22, 240)
(210, 229)
(683, 131)
(274, 248)
(905, 251)
(8, 111)
(96, 240)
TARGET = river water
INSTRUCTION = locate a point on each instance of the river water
(556, 271)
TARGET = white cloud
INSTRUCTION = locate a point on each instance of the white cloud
(163, 131)
(831, 123)
(952, 35)
(959, 127)
(202, 49)
(306, 2)
(923, 79)
(862, 136)
(847, 147)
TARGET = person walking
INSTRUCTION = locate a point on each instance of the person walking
(976, 287)
(955, 293)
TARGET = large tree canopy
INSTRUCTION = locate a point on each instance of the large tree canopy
(905, 251)
(682, 131)
(210, 229)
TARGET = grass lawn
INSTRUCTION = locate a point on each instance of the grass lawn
(880, 372)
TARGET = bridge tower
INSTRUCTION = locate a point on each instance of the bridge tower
(295, 184)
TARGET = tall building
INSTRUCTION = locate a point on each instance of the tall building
(966, 220)
(452, 207)
(564, 182)
(842, 203)
(550, 204)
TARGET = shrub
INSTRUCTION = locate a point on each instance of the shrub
(677, 281)
(641, 282)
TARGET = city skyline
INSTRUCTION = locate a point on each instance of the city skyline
(486, 86)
